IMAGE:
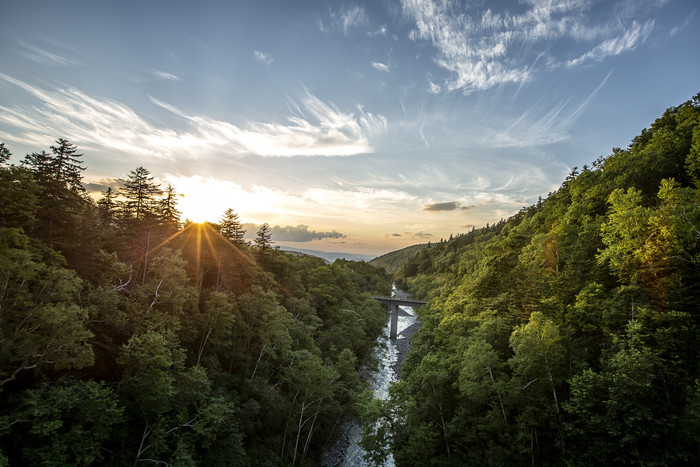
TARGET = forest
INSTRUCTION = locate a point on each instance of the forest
(568, 333)
(128, 338)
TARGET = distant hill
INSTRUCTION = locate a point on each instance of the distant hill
(328, 256)
(393, 260)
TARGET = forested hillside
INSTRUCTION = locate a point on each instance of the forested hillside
(393, 260)
(567, 334)
(129, 339)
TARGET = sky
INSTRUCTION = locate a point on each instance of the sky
(357, 127)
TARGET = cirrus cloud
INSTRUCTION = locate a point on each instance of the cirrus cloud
(485, 48)
(316, 128)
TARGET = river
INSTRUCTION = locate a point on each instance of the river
(388, 355)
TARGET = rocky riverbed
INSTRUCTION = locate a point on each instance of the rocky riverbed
(345, 451)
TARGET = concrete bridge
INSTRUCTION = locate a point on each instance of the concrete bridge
(393, 304)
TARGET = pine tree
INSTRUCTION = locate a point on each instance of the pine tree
(108, 206)
(231, 228)
(262, 241)
(167, 207)
(61, 193)
(139, 191)
(66, 165)
(4, 154)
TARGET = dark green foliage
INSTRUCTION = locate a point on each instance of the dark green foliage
(231, 228)
(567, 334)
(126, 339)
(393, 260)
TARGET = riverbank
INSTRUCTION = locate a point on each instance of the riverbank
(403, 344)
(345, 450)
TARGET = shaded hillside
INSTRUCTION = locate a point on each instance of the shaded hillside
(568, 333)
(130, 339)
(393, 260)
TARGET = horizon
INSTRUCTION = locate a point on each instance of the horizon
(362, 127)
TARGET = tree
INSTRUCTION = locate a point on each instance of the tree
(4, 154)
(167, 207)
(107, 205)
(61, 193)
(69, 422)
(262, 241)
(139, 190)
(42, 325)
(67, 166)
(230, 227)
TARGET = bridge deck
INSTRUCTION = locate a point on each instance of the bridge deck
(400, 301)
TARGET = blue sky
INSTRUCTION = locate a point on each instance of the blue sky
(365, 126)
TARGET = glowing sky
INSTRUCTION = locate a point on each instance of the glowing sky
(364, 126)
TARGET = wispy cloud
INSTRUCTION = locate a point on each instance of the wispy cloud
(345, 19)
(315, 129)
(353, 16)
(383, 67)
(165, 75)
(616, 45)
(537, 126)
(263, 57)
(484, 49)
(44, 56)
(382, 31)
(676, 29)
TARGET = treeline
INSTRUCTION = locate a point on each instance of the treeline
(392, 261)
(568, 333)
(127, 338)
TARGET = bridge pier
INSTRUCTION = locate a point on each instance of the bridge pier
(393, 303)
(394, 319)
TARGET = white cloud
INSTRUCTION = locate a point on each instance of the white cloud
(166, 76)
(484, 49)
(44, 56)
(345, 19)
(434, 88)
(615, 46)
(353, 16)
(536, 128)
(317, 128)
(381, 67)
(263, 57)
(382, 31)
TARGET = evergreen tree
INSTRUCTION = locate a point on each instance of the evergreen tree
(61, 193)
(231, 228)
(167, 207)
(108, 205)
(139, 191)
(4, 154)
(262, 240)
(66, 165)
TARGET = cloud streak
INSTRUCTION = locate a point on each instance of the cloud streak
(383, 67)
(315, 129)
(166, 76)
(485, 49)
(44, 56)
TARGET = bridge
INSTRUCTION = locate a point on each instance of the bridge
(393, 304)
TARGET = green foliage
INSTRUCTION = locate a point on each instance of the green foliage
(68, 422)
(394, 260)
(127, 339)
(41, 323)
(566, 334)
